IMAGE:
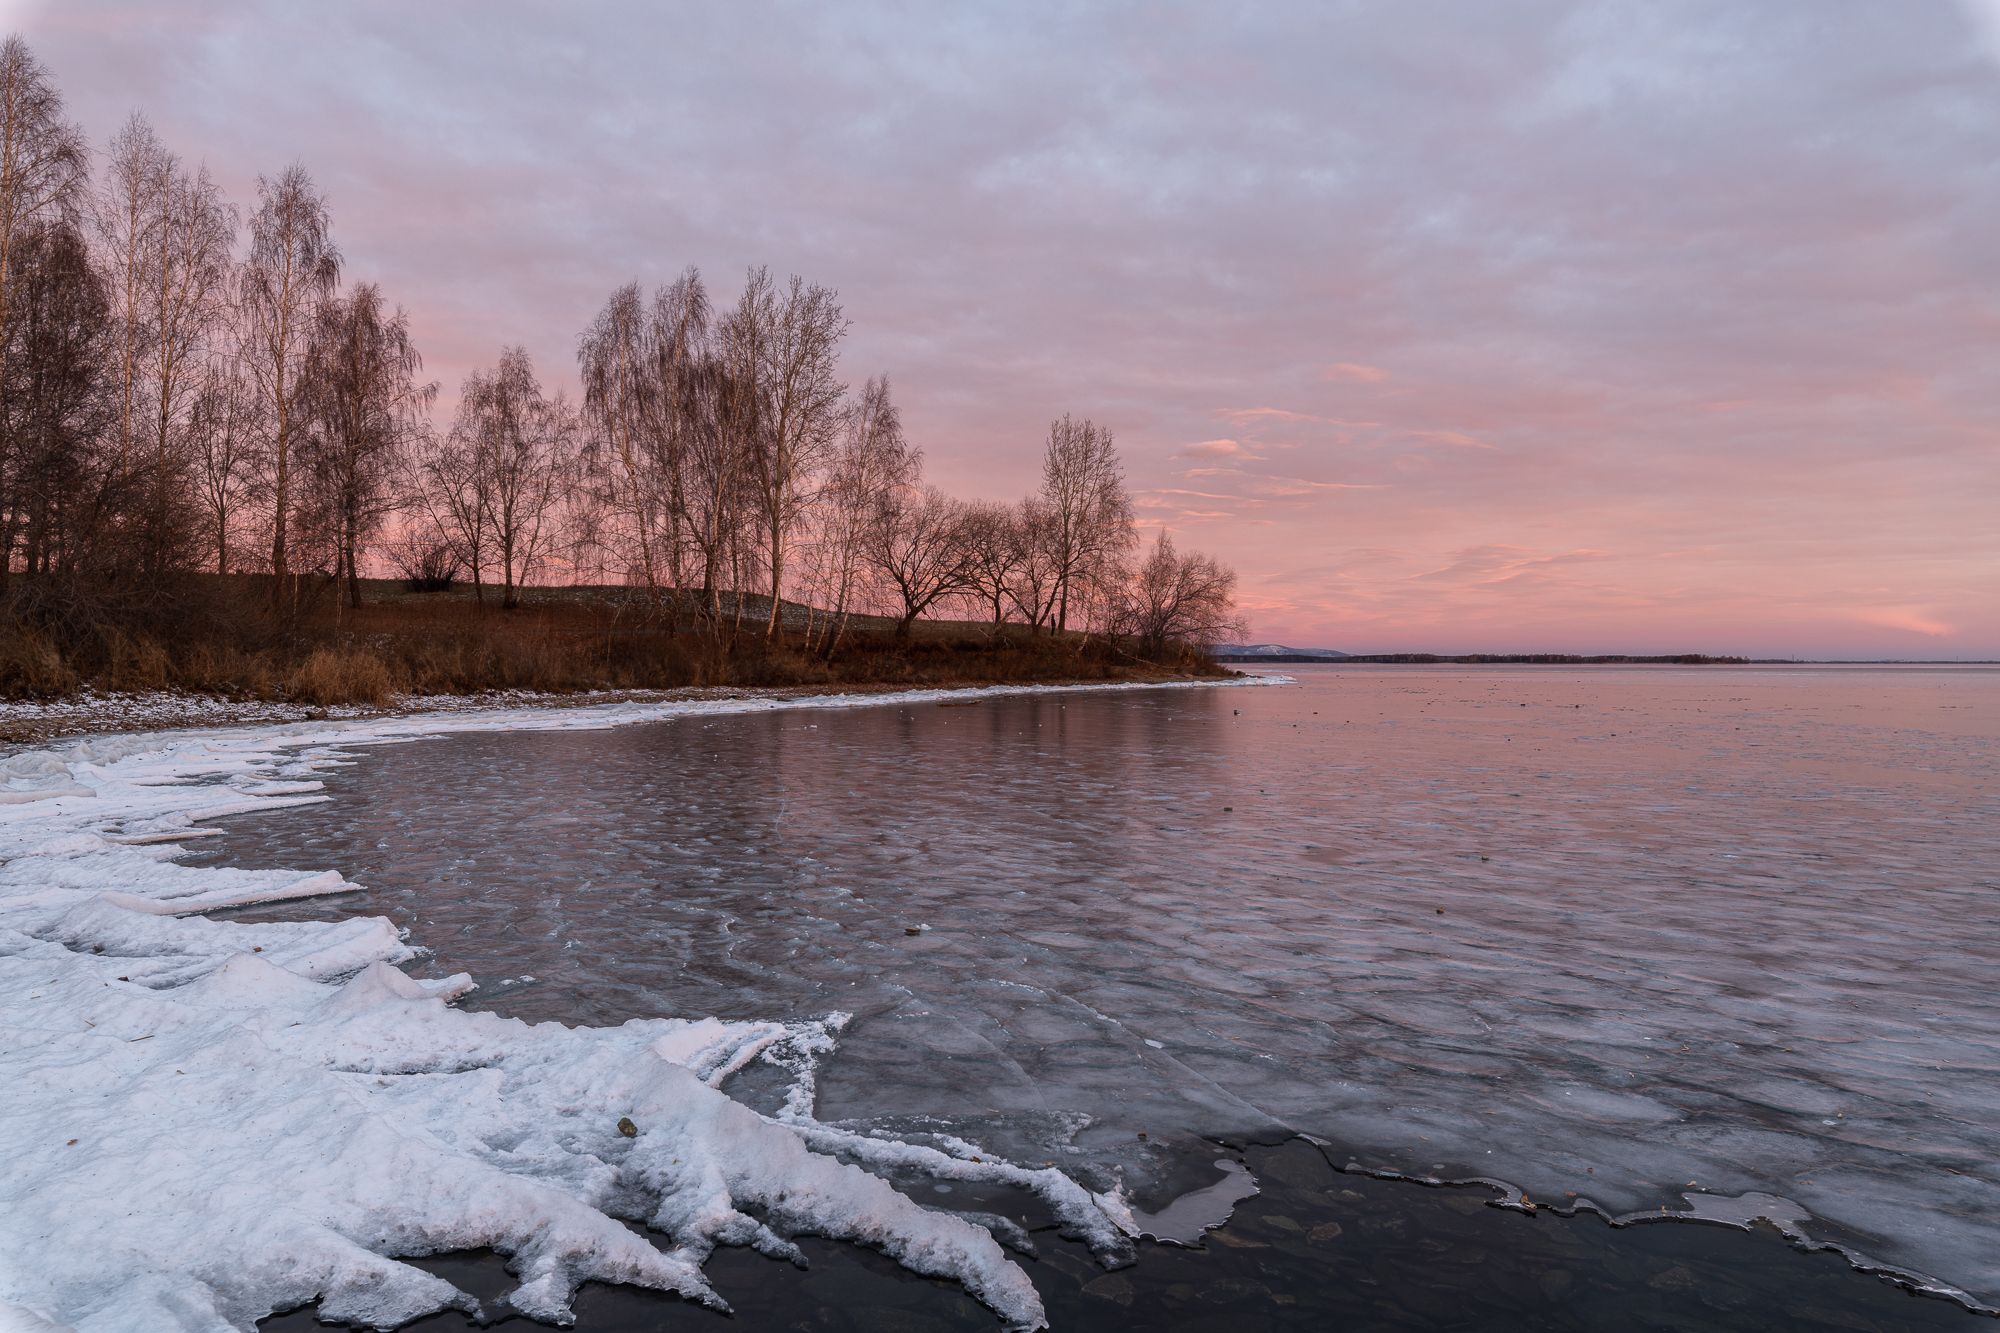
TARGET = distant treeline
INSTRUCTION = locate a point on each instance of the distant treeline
(184, 391)
(1522, 659)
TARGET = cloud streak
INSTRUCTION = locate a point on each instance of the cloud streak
(1217, 449)
(1354, 372)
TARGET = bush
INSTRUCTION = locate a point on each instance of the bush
(134, 662)
(341, 676)
(223, 668)
(31, 666)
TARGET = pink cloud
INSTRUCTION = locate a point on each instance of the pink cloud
(1354, 372)
(1297, 486)
(1454, 438)
(1216, 449)
(1909, 619)
(1255, 414)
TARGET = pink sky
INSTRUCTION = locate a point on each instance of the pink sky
(1596, 327)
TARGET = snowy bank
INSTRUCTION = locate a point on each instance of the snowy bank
(93, 712)
(40, 722)
(209, 1121)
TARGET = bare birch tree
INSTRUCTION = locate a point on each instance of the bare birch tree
(224, 423)
(127, 214)
(57, 405)
(648, 372)
(678, 353)
(44, 162)
(874, 463)
(801, 400)
(366, 409)
(723, 491)
(191, 270)
(443, 486)
(292, 269)
(1087, 515)
(522, 448)
(613, 362)
(43, 177)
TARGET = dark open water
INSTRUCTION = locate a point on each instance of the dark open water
(1612, 936)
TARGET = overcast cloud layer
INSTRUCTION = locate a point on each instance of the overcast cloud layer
(1585, 326)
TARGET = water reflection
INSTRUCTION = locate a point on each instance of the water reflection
(1606, 934)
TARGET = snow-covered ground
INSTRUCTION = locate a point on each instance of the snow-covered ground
(29, 721)
(208, 1121)
(98, 712)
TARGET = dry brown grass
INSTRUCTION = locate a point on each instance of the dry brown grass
(341, 676)
(33, 667)
(227, 640)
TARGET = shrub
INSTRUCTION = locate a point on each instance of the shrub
(31, 666)
(341, 676)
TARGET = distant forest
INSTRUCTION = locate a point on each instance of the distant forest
(1494, 659)
(187, 392)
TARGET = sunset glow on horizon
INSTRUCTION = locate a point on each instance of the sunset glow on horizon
(1583, 327)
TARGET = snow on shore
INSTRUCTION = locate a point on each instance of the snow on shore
(100, 712)
(208, 1121)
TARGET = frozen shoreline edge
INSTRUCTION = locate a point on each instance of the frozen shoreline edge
(104, 945)
(27, 724)
(412, 726)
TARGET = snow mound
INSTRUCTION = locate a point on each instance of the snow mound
(210, 1121)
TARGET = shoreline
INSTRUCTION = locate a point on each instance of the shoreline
(27, 724)
(1314, 1245)
(1100, 1286)
(251, 1030)
(1800, 1230)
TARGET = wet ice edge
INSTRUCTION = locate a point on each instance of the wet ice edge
(209, 1121)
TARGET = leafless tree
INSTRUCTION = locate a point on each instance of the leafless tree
(191, 272)
(723, 492)
(43, 176)
(127, 213)
(366, 409)
(57, 403)
(873, 464)
(152, 398)
(1033, 585)
(800, 401)
(1087, 513)
(522, 454)
(668, 474)
(292, 269)
(998, 540)
(921, 548)
(679, 363)
(43, 160)
(612, 358)
(1187, 600)
(225, 423)
(442, 485)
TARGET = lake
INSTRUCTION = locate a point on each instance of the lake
(1622, 939)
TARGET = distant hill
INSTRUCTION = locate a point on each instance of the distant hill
(1273, 652)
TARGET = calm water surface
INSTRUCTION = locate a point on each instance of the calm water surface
(1610, 935)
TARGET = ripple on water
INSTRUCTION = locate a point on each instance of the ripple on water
(1619, 934)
